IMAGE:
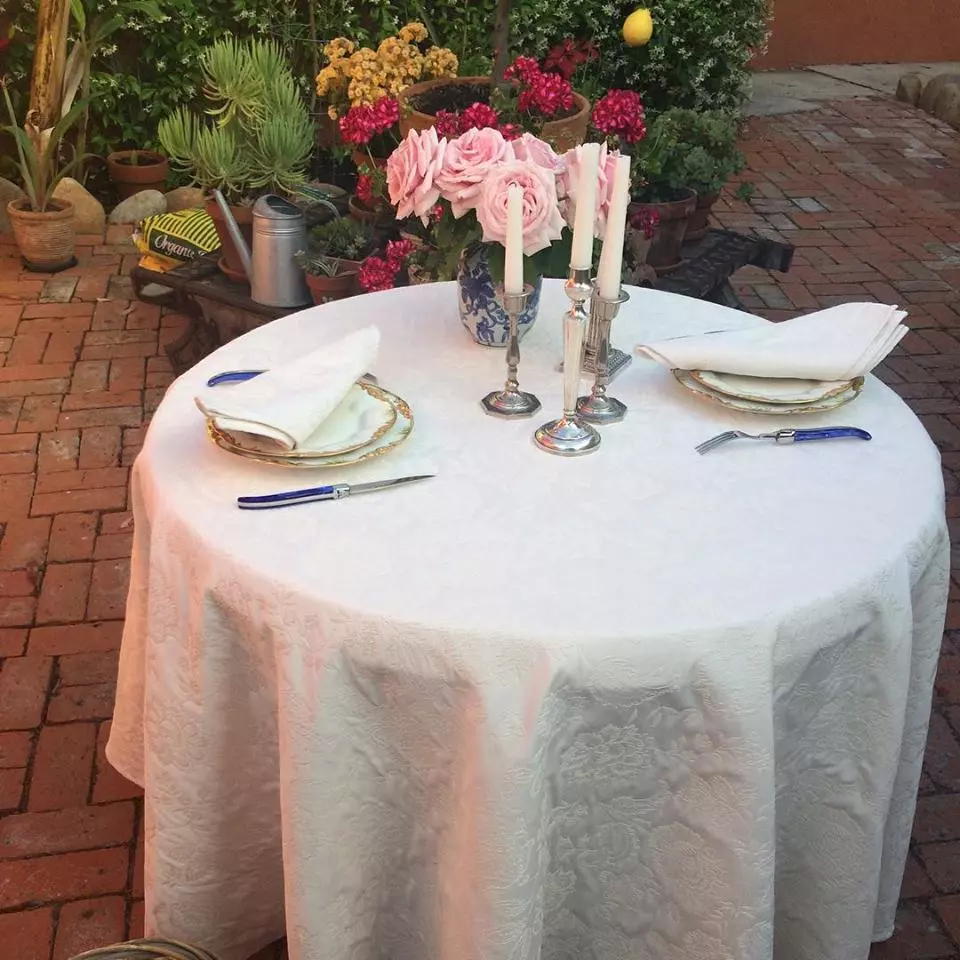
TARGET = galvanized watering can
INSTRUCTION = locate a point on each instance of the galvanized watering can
(279, 234)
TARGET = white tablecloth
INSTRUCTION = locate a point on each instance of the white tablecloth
(642, 704)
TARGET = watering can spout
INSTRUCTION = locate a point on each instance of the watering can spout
(235, 234)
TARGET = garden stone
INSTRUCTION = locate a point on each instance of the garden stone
(88, 214)
(909, 88)
(947, 107)
(931, 91)
(146, 203)
(8, 191)
(184, 198)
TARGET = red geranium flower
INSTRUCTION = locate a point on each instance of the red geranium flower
(620, 114)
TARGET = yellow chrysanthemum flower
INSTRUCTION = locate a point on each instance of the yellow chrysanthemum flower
(413, 32)
(441, 63)
(332, 112)
(338, 48)
(328, 80)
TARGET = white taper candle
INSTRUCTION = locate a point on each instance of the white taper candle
(611, 257)
(513, 257)
(581, 256)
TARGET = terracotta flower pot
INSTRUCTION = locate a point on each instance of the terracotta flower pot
(228, 249)
(664, 253)
(375, 216)
(564, 133)
(699, 221)
(323, 289)
(362, 159)
(148, 173)
(46, 240)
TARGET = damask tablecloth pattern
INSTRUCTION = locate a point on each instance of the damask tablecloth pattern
(643, 704)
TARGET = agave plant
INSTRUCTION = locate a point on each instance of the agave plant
(259, 136)
(38, 153)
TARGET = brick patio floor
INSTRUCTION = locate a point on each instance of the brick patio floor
(868, 191)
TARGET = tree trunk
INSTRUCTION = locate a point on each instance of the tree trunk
(49, 59)
(501, 41)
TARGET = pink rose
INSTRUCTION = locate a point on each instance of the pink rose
(467, 163)
(570, 179)
(412, 174)
(529, 147)
(542, 221)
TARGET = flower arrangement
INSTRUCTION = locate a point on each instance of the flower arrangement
(361, 76)
(457, 188)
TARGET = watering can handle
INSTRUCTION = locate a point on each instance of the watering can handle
(235, 233)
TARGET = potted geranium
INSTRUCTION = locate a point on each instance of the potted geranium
(42, 226)
(259, 142)
(334, 256)
(530, 98)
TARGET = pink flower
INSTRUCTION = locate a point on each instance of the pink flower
(360, 124)
(620, 114)
(546, 93)
(529, 147)
(523, 69)
(468, 161)
(478, 115)
(412, 174)
(447, 124)
(542, 222)
(570, 179)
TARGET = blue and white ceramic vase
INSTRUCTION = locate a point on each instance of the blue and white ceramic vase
(480, 313)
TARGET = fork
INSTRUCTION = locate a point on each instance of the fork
(784, 436)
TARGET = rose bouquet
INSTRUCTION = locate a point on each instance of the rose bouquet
(452, 191)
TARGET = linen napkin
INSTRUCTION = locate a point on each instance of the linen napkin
(838, 343)
(287, 404)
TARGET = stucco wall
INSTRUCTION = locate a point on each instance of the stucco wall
(862, 31)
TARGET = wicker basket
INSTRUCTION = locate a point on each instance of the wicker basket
(148, 949)
(46, 240)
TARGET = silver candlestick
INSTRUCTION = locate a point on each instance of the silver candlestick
(570, 436)
(598, 407)
(511, 401)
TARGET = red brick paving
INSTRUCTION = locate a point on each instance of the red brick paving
(869, 193)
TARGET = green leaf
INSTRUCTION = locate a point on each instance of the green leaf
(79, 14)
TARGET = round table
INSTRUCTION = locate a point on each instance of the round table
(638, 704)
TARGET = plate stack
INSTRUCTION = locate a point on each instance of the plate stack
(780, 397)
(810, 364)
(319, 410)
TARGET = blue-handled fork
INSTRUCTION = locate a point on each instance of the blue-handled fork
(785, 436)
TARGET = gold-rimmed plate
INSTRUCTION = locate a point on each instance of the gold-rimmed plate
(364, 415)
(401, 428)
(686, 378)
(770, 389)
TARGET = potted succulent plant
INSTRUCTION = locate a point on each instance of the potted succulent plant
(136, 170)
(707, 156)
(42, 226)
(260, 140)
(334, 257)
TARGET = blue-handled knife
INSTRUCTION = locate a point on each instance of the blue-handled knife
(335, 491)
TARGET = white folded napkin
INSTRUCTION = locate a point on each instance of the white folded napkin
(287, 404)
(839, 343)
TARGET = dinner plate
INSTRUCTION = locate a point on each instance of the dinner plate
(401, 428)
(364, 415)
(775, 409)
(770, 389)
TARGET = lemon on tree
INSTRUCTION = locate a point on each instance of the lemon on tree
(638, 28)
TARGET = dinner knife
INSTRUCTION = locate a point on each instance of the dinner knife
(335, 491)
